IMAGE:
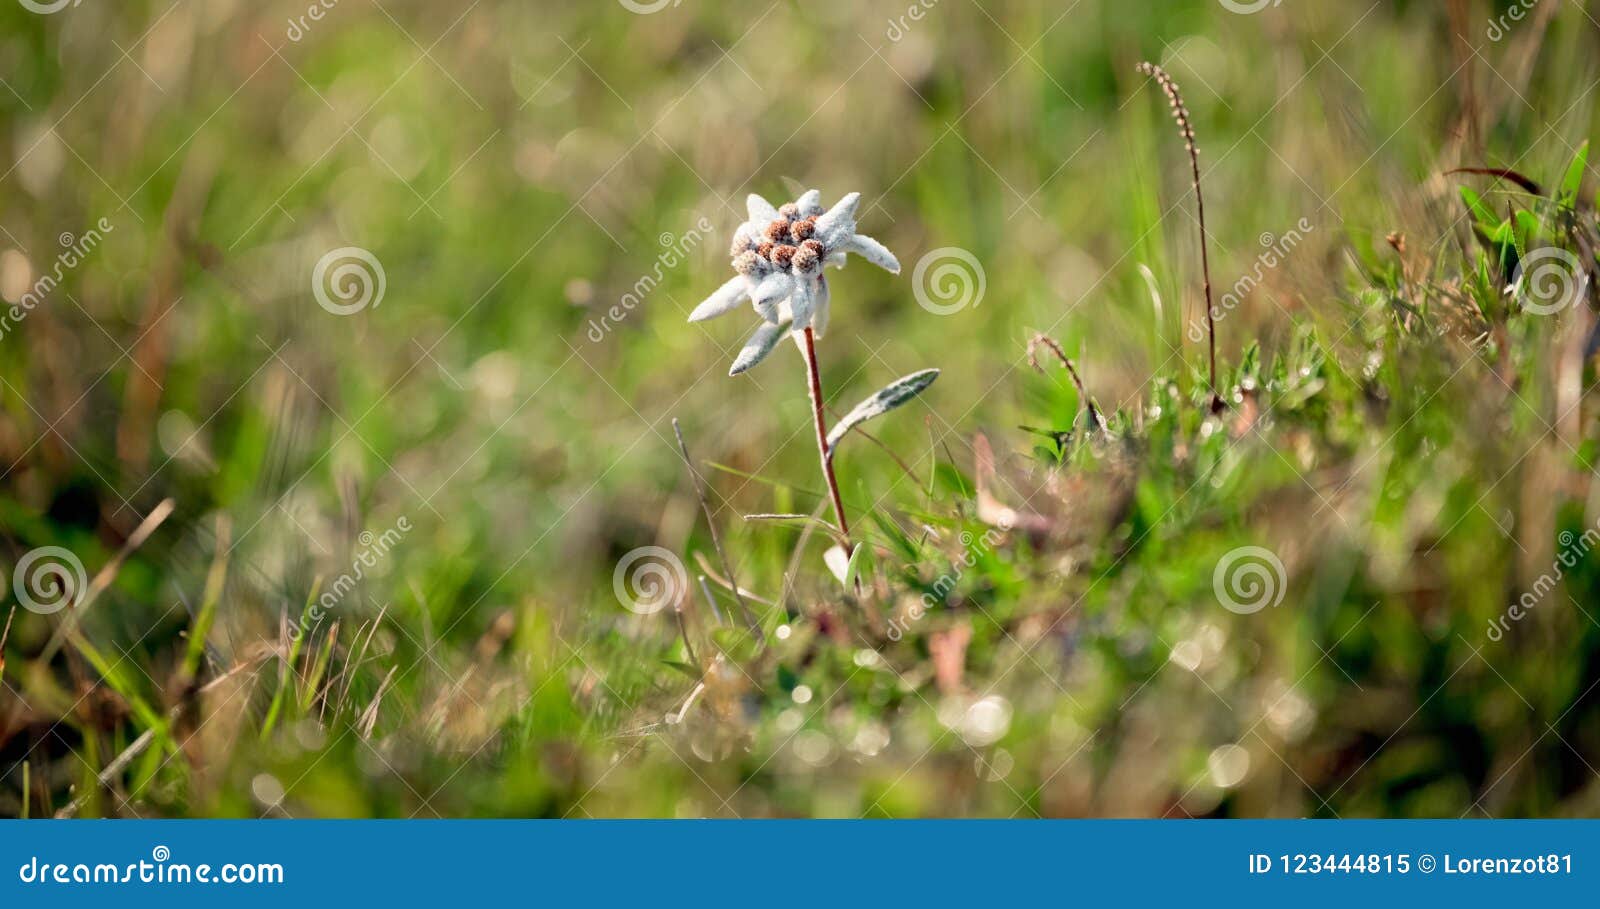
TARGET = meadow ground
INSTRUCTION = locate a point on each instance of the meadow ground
(343, 343)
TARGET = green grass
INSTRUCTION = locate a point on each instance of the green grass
(1407, 440)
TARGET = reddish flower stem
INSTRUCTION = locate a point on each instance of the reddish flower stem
(815, 387)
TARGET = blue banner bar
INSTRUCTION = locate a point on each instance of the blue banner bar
(798, 863)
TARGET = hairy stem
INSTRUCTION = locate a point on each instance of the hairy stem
(815, 386)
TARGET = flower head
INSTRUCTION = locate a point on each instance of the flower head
(779, 255)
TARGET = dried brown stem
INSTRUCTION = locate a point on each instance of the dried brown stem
(1041, 339)
(716, 538)
(104, 577)
(1180, 113)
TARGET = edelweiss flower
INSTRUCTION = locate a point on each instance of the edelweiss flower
(779, 255)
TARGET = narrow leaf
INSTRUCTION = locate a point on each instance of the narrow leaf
(853, 569)
(1573, 181)
(892, 396)
(737, 643)
(760, 345)
(898, 537)
(692, 672)
(1481, 213)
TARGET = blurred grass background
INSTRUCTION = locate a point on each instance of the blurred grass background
(518, 168)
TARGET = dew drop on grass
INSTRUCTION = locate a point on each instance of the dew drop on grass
(986, 721)
(1290, 715)
(1188, 654)
(813, 747)
(788, 721)
(802, 694)
(996, 767)
(871, 739)
(1228, 765)
(308, 735)
(267, 790)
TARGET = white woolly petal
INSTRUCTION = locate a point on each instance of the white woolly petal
(758, 347)
(760, 209)
(772, 290)
(725, 299)
(810, 204)
(836, 258)
(840, 220)
(803, 301)
(747, 235)
(874, 252)
(819, 309)
(836, 235)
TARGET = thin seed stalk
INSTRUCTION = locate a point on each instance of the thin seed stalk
(1180, 114)
(814, 385)
(1205, 272)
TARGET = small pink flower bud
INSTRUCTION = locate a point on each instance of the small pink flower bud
(783, 256)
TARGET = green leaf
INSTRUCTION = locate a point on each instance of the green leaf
(891, 396)
(896, 536)
(858, 561)
(738, 643)
(1573, 181)
(692, 672)
(1481, 212)
(1528, 229)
